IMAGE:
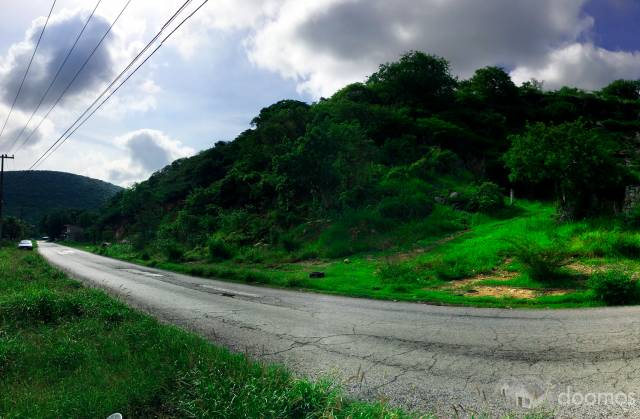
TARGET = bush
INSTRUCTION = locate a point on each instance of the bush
(541, 262)
(610, 243)
(218, 249)
(614, 288)
(406, 206)
(172, 250)
(488, 197)
(626, 245)
(435, 161)
(289, 243)
(632, 217)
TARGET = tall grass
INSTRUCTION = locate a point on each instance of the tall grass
(67, 351)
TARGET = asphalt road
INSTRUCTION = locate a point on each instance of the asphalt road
(447, 360)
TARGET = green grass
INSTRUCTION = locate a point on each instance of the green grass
(68, 351)
(424, 261)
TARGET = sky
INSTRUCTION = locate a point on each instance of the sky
(234, 57)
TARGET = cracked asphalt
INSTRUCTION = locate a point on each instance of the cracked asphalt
(451, 361)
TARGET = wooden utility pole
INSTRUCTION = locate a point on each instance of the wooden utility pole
(2, 159)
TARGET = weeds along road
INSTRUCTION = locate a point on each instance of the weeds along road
(448, 360)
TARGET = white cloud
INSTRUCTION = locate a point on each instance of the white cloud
(582, 65)
(129, 158)
(10, 139)
(325, 44)
(146, 151)
(118, 48)
(59, 37)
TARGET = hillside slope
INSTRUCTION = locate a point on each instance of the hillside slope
(397, 188)
(31, 195)
(408, 154)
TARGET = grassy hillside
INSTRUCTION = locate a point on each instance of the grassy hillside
(392, 168)
(32, 195)
(67, 351)
(520, 257)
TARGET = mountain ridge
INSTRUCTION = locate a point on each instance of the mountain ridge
(30, 195)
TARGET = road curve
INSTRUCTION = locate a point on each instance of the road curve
(448, 360)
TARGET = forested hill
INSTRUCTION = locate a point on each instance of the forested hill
(410, 141)
(32, 195)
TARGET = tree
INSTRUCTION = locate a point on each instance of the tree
(53, 224)
(576, 159)
(623, 89)
(14, 228)
(417, 79)
(492, 85)
(330, 160)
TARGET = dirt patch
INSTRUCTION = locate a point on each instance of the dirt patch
(401, 257)
(486, 291)
(582, 268)
(497, 275)
(522, 293)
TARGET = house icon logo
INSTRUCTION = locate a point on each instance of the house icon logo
(527, 393)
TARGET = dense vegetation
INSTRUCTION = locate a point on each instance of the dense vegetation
(389, 168)
(68, 351)
(31, 196)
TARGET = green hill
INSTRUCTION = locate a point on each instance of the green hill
(342, 175)
(32, 195)
(398, 187)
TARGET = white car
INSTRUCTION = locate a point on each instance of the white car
(25, 245)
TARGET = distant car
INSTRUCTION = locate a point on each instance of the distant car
(25, 245)
(45, 238)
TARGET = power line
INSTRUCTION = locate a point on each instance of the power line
(26, 73)
(84, 64)
(55, 78)
(61, 141)
(79, 122)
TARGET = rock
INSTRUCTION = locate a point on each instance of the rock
(454, 195)
(316, 275)
(347, 260)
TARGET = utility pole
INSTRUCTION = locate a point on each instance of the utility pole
(3, 157)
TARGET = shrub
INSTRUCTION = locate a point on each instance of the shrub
(488, 197)
(626, 245)
(436, 160)
(614, 287)
(171, 250)
(218, 249)
(610, 243)
(289, 243)
(451, 268)
(632, 217)
(541, 262)
(406, 206)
